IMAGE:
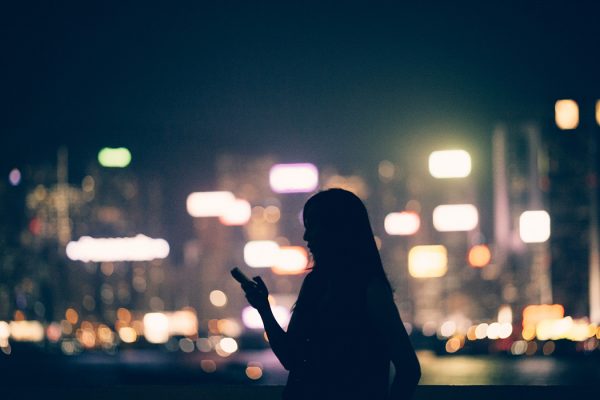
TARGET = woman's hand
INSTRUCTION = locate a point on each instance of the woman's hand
(257, 294)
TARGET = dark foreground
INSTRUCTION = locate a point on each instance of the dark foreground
(233, 392)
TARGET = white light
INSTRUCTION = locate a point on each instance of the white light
(566, 114)
(138, 248)
(455, 217)
(294, 178)
(251, 318)
(291, 260)
(218, 298)
(238, 213)
(228, 345)
(448, 328)
(428, 261)
(449, 164)
(261, 253)
(156, 327)
(534, 226)
(209, 204)
(402, 223)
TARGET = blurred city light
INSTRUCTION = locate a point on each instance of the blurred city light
(26, 331)
(505, 314)
(479, 256)
(291, 260)
(4, 333)
(210, 204)
(534, 226)
(252, 320)
(218, 298)
(455, 217)
(534, 314)
(402, 223)
(156, 327)
(449, 164)
(254, 371)
(238, 213)
(14, 177)
(566, 114)
(127, 334)
(119, 157)
(261, 253)
(182, 322)
(598, 112)
(428, 261)
(138, 248)
(294, 178)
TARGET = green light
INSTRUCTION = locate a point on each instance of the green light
(114, 157)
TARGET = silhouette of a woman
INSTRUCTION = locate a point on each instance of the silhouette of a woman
(345, 328)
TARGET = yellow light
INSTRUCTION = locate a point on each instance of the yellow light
(229, 327)
(183, 322)
(598, 112)
(218, 298)
(138, 248)
(402, 223)
(238, 213)
(533, 314)
(261, 253)
(156, 327)
(566, 114)
(455, 217)
(210, 204)
(119, 157)
(449, 164)
(291, 260)
(128, 334)
(294, 178)
(534, 226)
(26, 331)
(428, 261)
(479, 256)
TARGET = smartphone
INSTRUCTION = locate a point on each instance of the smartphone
(239, 276)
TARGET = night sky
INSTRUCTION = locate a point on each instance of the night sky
(330, 82)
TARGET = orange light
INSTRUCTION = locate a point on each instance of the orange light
(534, 314)
(479, 256)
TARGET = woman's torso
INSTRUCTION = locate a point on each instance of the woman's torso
(338, 350)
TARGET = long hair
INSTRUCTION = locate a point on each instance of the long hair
(348, 249)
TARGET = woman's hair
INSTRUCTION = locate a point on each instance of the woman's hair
(346, 236)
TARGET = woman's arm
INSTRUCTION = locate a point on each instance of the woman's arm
(384, 313)
(257, 296)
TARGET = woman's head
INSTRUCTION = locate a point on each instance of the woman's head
(338, 233)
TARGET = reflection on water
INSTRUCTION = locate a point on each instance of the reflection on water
(499, 370)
